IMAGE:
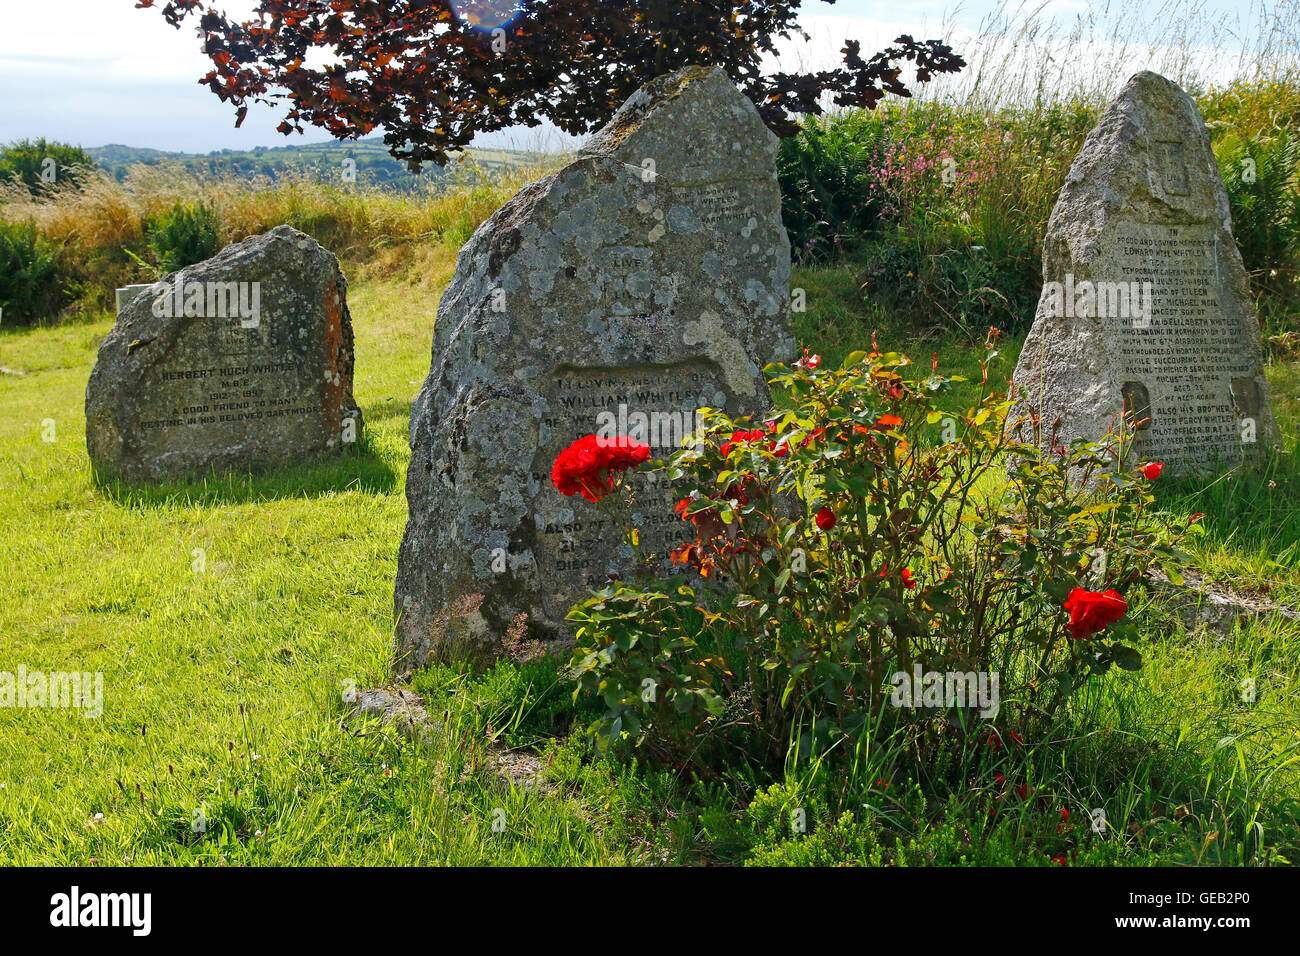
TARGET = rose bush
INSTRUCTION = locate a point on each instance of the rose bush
(861, 529)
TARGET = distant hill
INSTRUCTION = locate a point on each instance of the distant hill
(323, 161)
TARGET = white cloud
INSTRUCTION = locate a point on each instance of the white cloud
(99, 71)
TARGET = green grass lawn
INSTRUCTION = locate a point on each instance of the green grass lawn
(228, 615)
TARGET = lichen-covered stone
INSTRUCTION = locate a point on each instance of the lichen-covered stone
(1142, 227)
(652, 273)
(241, 361)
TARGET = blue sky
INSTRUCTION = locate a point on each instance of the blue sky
(99, 71)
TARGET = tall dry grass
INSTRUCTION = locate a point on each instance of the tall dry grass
(103, 225)
(1026, 55)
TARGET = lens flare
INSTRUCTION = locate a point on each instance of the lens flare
(486, 15)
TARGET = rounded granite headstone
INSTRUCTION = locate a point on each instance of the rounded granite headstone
(1146, 310)
(648, 278)
(241, 361)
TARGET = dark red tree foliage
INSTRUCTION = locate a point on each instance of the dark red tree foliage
(433, 73)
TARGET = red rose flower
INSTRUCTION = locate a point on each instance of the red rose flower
(908, 582)
(586, 466)
(825, 519)
(813, 436)
(1152, 471)
(1092, 611)
(742, 438)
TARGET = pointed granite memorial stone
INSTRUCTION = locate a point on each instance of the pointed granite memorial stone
(644, 280)
(1146, 307)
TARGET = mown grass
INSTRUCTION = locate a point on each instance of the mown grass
(228, 615)
(1253, 532)
(223, 679)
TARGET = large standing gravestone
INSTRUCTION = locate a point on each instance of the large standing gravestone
(646, 279)
(241, 361)
(1146, 307)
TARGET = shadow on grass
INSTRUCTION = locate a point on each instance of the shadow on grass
(1250, 508)
(389, 410)
(1127, 801)
(358, 470)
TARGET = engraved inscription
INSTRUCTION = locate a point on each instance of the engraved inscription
(577, 546)
(719, 206)
(1180, 366)
(227, 394)
(1173, 168)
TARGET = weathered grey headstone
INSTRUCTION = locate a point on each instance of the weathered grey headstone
(244, 360)
(1146, 305)
(128, 292)
(648, 278)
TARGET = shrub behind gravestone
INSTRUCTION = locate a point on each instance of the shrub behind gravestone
(29, 264)
(826, 190)
(184, 235)
(1262, 177)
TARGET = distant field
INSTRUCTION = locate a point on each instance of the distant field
(321, 161)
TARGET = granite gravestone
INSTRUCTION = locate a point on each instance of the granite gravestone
(241, 361)
(1146, 309)
(124, 295)
(648, 278)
